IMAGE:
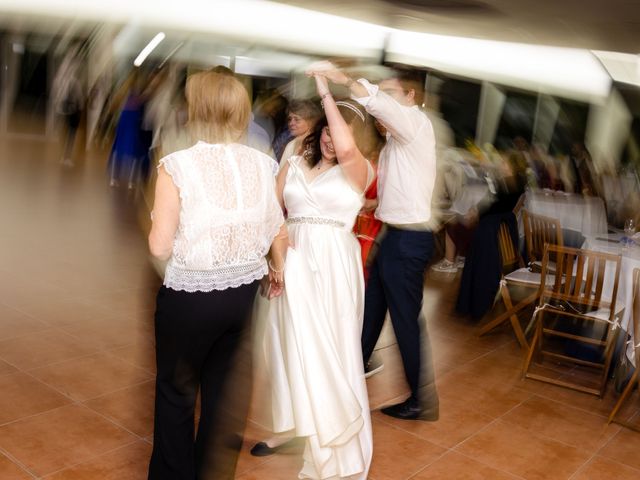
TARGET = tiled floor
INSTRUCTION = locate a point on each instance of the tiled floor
(77, 365)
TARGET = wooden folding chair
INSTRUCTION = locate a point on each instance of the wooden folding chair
(522, 277)
(575, 293)
(636, 342)
(539, 231)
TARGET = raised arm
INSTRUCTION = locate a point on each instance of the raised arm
(351, 160)
(400, 120)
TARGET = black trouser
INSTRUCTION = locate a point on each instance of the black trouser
(396, 282)
(201, 343)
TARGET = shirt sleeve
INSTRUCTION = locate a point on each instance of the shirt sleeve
(399, 120)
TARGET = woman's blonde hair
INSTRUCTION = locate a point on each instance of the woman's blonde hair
(219, 107)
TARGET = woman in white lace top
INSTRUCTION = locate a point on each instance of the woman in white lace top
(215, 219)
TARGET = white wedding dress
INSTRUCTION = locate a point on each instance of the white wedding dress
(312, 335)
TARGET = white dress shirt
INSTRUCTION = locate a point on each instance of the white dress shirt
(407, 163)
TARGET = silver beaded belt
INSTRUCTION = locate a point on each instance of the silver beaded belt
(316, 221)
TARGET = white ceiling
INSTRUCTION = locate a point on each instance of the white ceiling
(592, 24)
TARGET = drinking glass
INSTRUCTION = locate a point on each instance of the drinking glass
(629, 230)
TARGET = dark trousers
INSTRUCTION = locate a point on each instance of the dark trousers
(396, 283)
(202, 343)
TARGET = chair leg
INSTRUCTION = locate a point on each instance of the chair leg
(623, 397)
(533, 346)
(510, 314)
(515, 323)
(611, 338)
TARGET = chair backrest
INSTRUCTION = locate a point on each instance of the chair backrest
(579, 277)
(508, 252)
(539, 231)
(519, 205)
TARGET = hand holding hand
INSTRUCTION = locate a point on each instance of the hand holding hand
(276, 282)
(322, 84)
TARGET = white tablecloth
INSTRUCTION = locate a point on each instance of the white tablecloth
(575, 212)
(624, 299)
(469, 196)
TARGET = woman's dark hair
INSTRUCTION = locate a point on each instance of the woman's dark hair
(362, 132)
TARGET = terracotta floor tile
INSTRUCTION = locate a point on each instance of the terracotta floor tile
(455, 466)
(6, 369)
(14, 323)
(455, 352)
(132, 407)
(127, 463)
(391, 444)
(600, 468)
(12, 471)
(142, 354)
(491, 398)
(22, 396)
(458, 421)
(563, 423)
(276, 467)
(91, 376)
(106, 333)
(62, 311)
(18, 293)
(123, 302)
(43, 348)
(587, 402)
(61, 438)
(520, 452)
(623, 448)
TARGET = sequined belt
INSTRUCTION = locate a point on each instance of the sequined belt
(316, 221)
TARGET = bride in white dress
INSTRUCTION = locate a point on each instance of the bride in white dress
(312, 338)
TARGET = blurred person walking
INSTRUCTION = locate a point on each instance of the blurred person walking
(312, 333)
(69, 100)
(406, 178)
(131, 144)
(216, 215)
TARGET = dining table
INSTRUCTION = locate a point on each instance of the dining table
(618, 244)
(579, 213)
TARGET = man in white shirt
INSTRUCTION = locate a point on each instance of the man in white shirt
(406, 178)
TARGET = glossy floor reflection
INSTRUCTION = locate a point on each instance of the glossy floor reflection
(77, 358)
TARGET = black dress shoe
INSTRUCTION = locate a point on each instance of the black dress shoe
(261, 449)
(410, 409)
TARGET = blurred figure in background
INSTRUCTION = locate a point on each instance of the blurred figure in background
(128, 150)
(482, 268)
(215, 217)
(301, 119)
(457, 187)
(69, 100)
(268, 106)
(281, 134)
(583, 169)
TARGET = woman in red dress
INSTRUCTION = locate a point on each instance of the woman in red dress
(367, 226)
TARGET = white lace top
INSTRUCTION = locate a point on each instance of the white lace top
(229, 215)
